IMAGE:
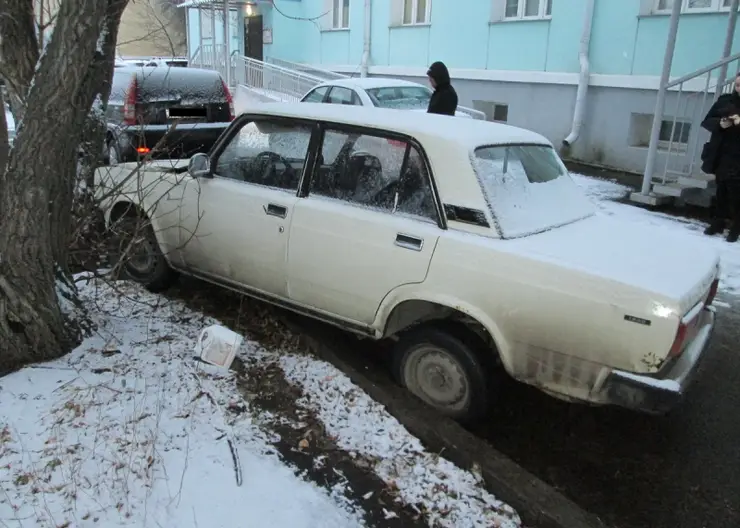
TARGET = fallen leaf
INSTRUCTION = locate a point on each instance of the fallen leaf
(303, 444)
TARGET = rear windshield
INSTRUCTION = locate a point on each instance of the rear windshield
(182, 84)
(528, 189)
(400, 97)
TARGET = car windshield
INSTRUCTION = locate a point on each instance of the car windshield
(528, 189)
(400, 97)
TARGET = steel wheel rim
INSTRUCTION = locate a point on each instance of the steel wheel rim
(142, 259)
(437, 377)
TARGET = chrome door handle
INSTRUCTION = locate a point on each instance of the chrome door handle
(276, 210)
(409, 242)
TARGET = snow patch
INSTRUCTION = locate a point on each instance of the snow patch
(450, 496)
(128, 430)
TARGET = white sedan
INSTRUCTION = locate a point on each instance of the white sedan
(381, 93)
(468, 248)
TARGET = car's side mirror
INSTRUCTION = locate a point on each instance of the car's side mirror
(199, 166)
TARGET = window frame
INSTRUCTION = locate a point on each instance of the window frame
(316, 89)
(243, 120)
(381, 134)
(414, 13)
(355, 97)
(544, 11)
(717, 6)
(338, 10)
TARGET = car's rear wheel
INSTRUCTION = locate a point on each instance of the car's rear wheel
(445, 368)
(139, 256)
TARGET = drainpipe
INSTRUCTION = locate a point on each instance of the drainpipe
(364, 65)
(580, 109)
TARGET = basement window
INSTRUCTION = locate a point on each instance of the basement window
(674, 133)
(498, 112)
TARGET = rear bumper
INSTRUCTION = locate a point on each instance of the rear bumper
(658, 395)
(182, 142)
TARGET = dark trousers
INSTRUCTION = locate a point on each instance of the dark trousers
(727, 204)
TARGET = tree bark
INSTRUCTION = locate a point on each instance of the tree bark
(19, 50)
(38, 183)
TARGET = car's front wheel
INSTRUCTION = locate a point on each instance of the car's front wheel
(445, 368)
(139, 256)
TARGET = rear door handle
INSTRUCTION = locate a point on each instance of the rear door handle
(276, 210)
(409, 242)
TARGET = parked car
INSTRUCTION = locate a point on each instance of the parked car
(145, 103)
(380, 93)
(469, 246)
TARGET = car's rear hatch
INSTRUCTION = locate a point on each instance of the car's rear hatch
(181, 95)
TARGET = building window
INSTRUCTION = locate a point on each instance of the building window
(206, 29)
(527, 9)
(693, 6)
(494, 111)
(417, 12)
(340, 14)
(676, 136)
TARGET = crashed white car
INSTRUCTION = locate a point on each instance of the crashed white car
(469, 246)
(380, 93)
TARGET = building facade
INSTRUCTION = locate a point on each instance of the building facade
(519, 61)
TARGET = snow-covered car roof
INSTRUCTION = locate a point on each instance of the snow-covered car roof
(367, 83)
(449, 142)
(468, 133)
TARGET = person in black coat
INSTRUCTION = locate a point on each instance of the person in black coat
(444, 98)
(721, 157)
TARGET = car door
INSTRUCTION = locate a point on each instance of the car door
(368, 224)
(235, 224)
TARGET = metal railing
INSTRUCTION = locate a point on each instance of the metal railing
(326, 75)
(681, 134)
(258, 75)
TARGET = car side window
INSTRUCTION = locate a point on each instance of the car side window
(266, 152)
(373, 171)
(345, 96)
(316, 95)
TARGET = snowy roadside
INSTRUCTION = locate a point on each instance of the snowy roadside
(603, 192)
(130, 430)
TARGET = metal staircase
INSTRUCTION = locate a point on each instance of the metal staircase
(677, 173)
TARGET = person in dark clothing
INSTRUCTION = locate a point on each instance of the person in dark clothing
(721, 157)
(444, 98)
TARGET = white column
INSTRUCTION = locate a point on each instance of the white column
(665, 76)
(227, 47)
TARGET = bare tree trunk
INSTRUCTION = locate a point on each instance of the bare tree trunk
(38, 183)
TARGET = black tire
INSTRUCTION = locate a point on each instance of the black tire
(448, 345)
(152, 271)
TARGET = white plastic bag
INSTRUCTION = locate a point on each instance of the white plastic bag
(217, 345)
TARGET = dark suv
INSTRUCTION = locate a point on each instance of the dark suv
(145, 103)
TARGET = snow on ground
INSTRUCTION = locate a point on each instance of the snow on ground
(131, 430)
(450, 496)
(603, 192)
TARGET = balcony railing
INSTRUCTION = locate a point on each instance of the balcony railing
(682, 136)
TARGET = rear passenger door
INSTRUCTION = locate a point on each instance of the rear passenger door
(368, 225)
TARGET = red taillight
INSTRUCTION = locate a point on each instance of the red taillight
(143, 150)
(679, 340)
(129, 105)
(229, 100)
(712, 292)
